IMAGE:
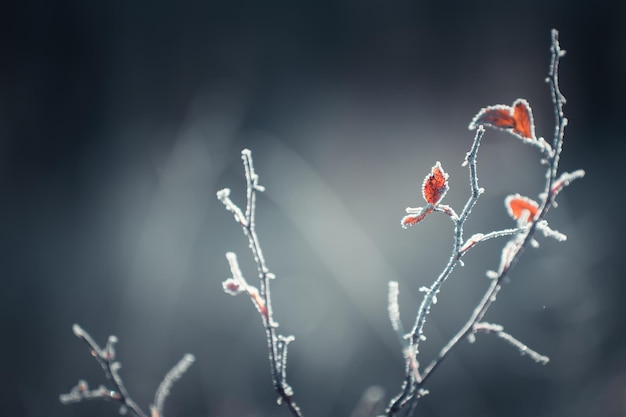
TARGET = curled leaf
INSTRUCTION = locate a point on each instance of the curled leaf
(521, 208)
(414, 218)
(516, 119)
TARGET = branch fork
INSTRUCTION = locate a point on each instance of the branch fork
(260, 297)
(529, 215)
(119, 394)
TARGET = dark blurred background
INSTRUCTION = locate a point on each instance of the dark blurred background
(119, 121)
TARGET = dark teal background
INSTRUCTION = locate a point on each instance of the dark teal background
(119, 121)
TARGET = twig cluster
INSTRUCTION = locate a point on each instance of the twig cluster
(119, 394)
(277, 344)
(530, 218)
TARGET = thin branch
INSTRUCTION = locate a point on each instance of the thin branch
(522, 237)
(523, 240)
(413, 380)
(558, 100)
(166, 385)
(523, 349)
(106, 358)
(418, 329)
(277, 344)
(480, 237)
(564, 180)
(494, 288)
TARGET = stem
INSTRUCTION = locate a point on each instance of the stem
(496, 284)
(521, 240)
(277, 365)
(106, 360)
(412, 386)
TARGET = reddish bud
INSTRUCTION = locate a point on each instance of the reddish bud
(231, 286)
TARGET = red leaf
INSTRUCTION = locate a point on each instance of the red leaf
(524, 124)
(519, 206)
(435, 185)
(413, 219)
(496, 116)
(516, 119)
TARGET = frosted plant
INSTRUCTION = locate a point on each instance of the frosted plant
(119, 393)
(529, 217)
(261, 299)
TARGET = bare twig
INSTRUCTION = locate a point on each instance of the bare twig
(166, 385)
(411, 385)
(277, 344)
(119, 394)
(499, 331)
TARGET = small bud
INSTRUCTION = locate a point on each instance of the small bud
(232, 287)
(82, 386)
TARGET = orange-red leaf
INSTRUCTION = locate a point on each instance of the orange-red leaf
(435, 185)
(524, 124)
(413, 219)
(519, 206)
(516, 119)
(496, 116)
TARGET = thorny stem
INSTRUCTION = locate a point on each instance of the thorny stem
(412, 389)
(277, 345)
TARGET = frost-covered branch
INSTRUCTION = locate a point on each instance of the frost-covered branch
(410, 387)
(530, 216)
(277, 344)
(119, 394)
(166, 385)
(499, 331)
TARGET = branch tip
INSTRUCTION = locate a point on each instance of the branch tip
(223, 194)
